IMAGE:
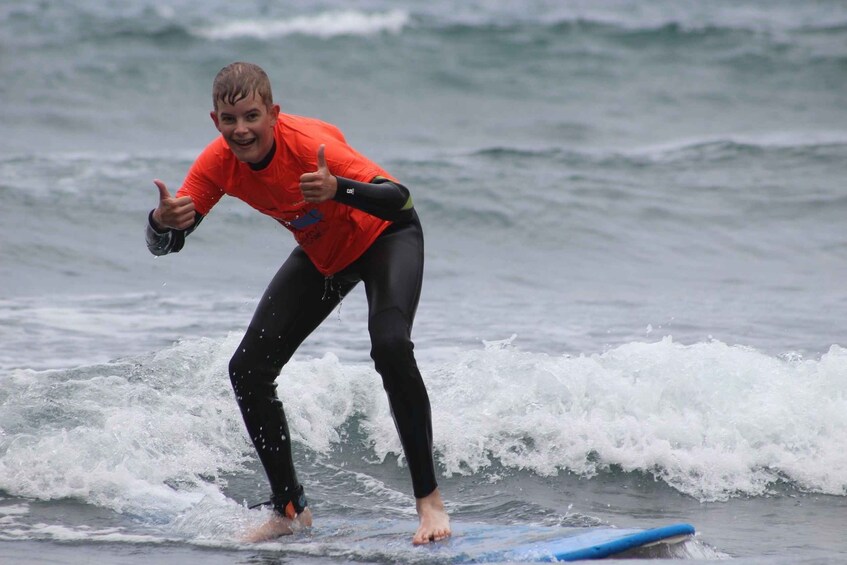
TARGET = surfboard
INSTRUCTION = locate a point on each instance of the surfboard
(474, 542)
(594, 543)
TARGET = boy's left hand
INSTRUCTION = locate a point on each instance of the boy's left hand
(320, 185)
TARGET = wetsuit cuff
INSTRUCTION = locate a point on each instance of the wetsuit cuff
(291, 504)
(152, 224)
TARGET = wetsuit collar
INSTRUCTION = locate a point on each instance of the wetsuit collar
(266, 160)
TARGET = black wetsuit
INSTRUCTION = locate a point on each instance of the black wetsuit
(296, 301)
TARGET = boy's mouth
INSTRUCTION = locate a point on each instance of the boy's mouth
(244, 142)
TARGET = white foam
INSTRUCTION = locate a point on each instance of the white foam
(323, 25)
(123, 436)
(14, 510)
(152, 438)
(710, 419)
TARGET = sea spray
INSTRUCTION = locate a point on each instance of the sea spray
(711, 420)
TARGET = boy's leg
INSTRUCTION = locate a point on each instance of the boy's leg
(290, 309)
(392, 270)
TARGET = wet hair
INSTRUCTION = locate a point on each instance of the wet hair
(239, 80)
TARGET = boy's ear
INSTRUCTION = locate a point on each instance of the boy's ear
(214, 116)
(274, 111)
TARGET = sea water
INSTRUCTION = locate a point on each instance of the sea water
(634, 302)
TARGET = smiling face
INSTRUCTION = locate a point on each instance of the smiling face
(247, 126)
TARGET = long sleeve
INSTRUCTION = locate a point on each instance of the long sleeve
(383, 198)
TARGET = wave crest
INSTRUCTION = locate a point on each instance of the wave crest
(711, 420)
(323, 25)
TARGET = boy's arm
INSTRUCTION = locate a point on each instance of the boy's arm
(382, 197)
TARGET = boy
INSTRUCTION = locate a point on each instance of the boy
(353, 222)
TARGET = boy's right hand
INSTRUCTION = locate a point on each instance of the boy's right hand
(174, 213)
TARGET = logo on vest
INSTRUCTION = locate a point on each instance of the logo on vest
(302, 222)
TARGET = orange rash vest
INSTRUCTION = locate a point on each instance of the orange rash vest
(332, 234)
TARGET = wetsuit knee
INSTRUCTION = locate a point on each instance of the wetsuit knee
(252, 372)
(391, 345)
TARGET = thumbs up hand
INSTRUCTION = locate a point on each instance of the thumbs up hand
(321, 184)
(174, 213)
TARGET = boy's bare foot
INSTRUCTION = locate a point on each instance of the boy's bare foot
(280, 526)
(434, 521)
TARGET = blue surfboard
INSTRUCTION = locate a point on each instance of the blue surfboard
(593, 543)
(474, 542)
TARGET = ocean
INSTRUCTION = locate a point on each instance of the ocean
(634, 309)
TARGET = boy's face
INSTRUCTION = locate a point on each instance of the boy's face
(247, 127)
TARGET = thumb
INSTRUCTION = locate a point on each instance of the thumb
(322, 158)
(163, 190)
